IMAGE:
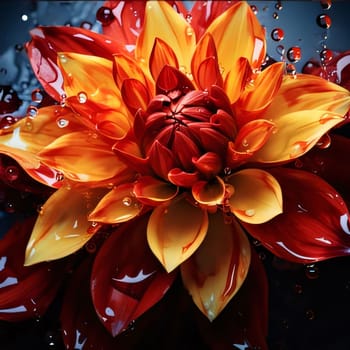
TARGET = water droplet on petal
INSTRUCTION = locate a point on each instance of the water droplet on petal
(324, 142)
(278, 6)
(312, 271)
(254, 9)
(86, 25)
(277, 34)
(6, 121)
(62, 123)
(32, 111)
(189, 31)
(82, 97)
(62, 58)
(37, 96)
(291, 70)
(127, 201)
(189, 18)
(11, 173)
(250, 212)
(326, 55)
(294, 54)
(324, 21)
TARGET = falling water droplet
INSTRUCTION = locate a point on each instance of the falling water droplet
(82, 97)
(37, 96)
(12, 173)
(105, 15)
(6, 121)
(277, 34)
(324, 21)
(254, 9)
(62, 123)
(312, 271)
(294, 54)
(326, 56)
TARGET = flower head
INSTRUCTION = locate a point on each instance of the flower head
(179, 137)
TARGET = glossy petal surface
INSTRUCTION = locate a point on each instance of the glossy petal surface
(314, 225)
(125, 288)
(257, 196)
(216, 271)
(175, 230)
(62, 227)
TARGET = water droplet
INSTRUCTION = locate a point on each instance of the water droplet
(278, 6)
(326, 55)
(277, 34)
(189, 18)
(189, 31)
(275, 15)
(63, 100)
(28, 124)
(62, 58)
(298, 163)
(312, 271)
(227, 171)
(294, 54)
(291, 70)
(6, 121)
(62, 123)
(32, 111)
(37, 96)
(250, 212)
(82, 97)
(18, 47)
(9, 207)
(105, 15)
(324, 21)
(12, 173)
(326, 4)
(59, 176)
(40, 210)
(324, 142)
(86, 25)
(254, 9)
(24, 17)
(280, 49)
(127, 201)
(90, 247)
(310, 314)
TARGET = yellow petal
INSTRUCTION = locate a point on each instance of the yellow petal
(295, 134)
(163, 22)
(307, 92)
(209, 192)
(238, 33)
(175, 230)
(257, 196)
(82, 156)
(216, 271)
(62, 226)
(118, 205)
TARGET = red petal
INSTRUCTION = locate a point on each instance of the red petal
(243, 322)
(125, 288)
(314, 222)
(135, 95)
(47, 41)
(182, 178)
(25, 292)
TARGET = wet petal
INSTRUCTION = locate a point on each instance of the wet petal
(125, 288)
(238, 33)
(82, 157)
(25, 292)
(161, 21)
(175, 230)
(152, 191)
(209, 192)
(135, 95)
(48, 41)
(216, 271)
(257, 196)
(62, 226)
(118, 205)
(295, 134)
(315, 221)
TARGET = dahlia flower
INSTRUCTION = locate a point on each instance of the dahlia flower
(168, 149)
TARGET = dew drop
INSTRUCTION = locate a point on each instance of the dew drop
(277, 34)
(62, 123)
(326, 4)
(278, 6)
(280, 49)
(63, 100)
(90, 247)
(254, 9)
(324, 21)
(324, 142)
(6, 121)
(291, 70)
(188, 18)
(12, 173)
(24, 17)
(326, 55)
(105, 15)
(63, 58)
(227, 171)
(189, 31)
(28, 124)
(275, 15)
(82, 97)
(294, 54)
(32, 111)
(250, 212)
(37, 96)
(86, 25)
(312, 271)
(127, 201)
(40, 210)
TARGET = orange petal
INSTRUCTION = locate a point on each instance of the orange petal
(209, 192)
(62, 226)
(238, 33)
(257, 196)
(163, 22)
(118, 205)
(175, 230)
(264, 88)
(216, 271)
(135, 95)
(152, 191)
(161, 55)
(295, 134)
(307, 92)
(82, 157)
